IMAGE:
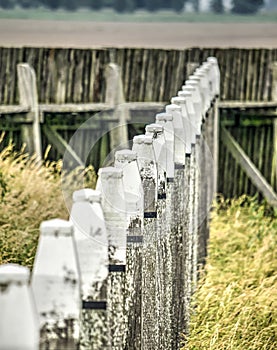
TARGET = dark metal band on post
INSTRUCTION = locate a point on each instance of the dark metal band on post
(179, 166)
(134, 239)
(161, 195)
(117, 268)
(94, 305)
(150, 215)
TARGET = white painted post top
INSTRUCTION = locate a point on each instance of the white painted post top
(87, 195)
(177, 100)
(19, 326)
(138, 139)
(125, 155)
(55, 276)
(154, 128)
(91, 240)
(110, 172)
(195, 78)
(172, 108)
(164, 117)
(10, 273)
(189, 87)
(127, 160)
(56, 227)
(176, 111)
(185, 93)
(213, 60)
(187, 127)
(148, 140)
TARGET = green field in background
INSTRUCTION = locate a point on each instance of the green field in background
(108, 15)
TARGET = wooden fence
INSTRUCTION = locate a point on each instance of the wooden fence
(77, 75)
(73, 76)
(121, 272)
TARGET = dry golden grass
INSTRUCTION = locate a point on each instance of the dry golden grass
(30, 192)
(235, 307)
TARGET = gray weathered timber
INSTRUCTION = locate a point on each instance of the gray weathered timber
(274, 157)
(250, 169)
(55, 139)
(76, 76)
(29, 98)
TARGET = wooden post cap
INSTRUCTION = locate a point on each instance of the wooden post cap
(10, 273)
(178, 100)
(173, 107)
(110, 172)
(164, 117)
(148, 140)
(185, 93)
(138, 139)
(154, 128)
(125, 155)
(87, 195)
(56, 227)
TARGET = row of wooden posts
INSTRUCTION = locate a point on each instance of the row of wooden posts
(121, 272)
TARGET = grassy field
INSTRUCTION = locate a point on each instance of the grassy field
(29, 194)
(108, 15)
(235, 307)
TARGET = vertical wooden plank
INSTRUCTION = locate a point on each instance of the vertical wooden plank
(243, 74)
(273, 177)
(248, 77)
(29, 97)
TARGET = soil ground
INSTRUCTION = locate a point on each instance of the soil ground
(18, 32)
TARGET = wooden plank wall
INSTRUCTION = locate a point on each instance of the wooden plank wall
(77, 75)
(255, 136)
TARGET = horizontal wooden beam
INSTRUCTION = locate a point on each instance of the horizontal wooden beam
(143, 111)
(250, 169)
(73, 107)
(13, 109)
(247, 104)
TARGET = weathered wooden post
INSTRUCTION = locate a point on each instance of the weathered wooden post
(198, 99)
(166, 120)
(196, 81)
(116, 99)
(216, 74)
(168, 236)
(127, 161)
(201, 173)
(206, 68)
(197, 103)
(19, 326)
(92, 249)
(113, 202)
(162, 243)
(201, 77)
(28, 97)
(189, 176)
(274, 98)
(180, 224)
(143, 146)
(192, 242)
(56, 285)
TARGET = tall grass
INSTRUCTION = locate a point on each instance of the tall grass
(235, 306)
(30, 192)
